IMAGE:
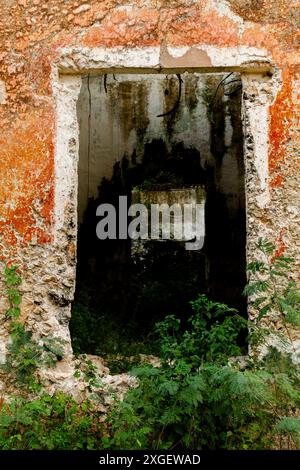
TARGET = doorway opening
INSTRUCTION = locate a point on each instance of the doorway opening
(149, 137)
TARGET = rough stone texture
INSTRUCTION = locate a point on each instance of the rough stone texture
(39, 41)
(103, 391)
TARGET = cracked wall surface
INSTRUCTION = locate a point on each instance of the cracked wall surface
(44, 46)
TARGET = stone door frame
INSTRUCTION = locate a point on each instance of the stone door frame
(261, 81)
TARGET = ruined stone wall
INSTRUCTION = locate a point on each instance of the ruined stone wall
(43, 45)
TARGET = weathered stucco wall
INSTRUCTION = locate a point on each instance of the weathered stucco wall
(40, 40)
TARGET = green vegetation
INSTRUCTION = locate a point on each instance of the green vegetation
(88, 371)
(24, 354)
(45, 422)
(272, 293)
(203, 398)
(49, 422)
(206, 394)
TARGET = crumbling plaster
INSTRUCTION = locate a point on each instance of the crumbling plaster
(45, 46)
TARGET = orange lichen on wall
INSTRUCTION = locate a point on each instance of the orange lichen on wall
(279, 243)
(200, 26)
(151, 27)
(281, 114)
(26, 179)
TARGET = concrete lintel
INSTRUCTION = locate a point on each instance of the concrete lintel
(164, 59)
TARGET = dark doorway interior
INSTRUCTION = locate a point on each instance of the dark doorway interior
(124, 145)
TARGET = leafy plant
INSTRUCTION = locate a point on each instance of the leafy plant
(172, 405)
(200, 397)
(85, 368)
(24, 354)
(12, 280)
(204, 394)
(273, 297)
(213, 333)
(48, 423)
